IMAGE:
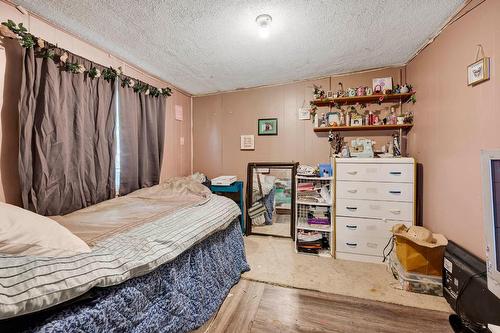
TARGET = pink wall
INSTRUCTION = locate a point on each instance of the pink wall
(453, 122)
(177, 159)
(220, 119)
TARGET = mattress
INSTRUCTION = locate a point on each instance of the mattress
(179, 296)
(29, 284)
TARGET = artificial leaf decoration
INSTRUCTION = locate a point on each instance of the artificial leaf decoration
(27, 41)
(48, 53)
(80, 69)
(109, 74)
(5, 31)
(72, 67)
(40, 42)
(94, 73)
(63, 57)
(43, 49)
(126, 82)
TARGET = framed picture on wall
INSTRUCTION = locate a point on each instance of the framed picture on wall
(304, 113)
(247, 142)
(267, 126)
(478, 71)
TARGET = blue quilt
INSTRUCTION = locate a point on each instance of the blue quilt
(179, 296)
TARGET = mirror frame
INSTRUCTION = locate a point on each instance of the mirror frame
(249, 190)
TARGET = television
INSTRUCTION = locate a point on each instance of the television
(490, 169)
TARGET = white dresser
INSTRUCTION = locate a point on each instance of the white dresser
(371, 195)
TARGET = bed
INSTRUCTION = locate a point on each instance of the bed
(166, 270)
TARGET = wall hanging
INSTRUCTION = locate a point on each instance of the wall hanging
(479, 70)
(268, 126)
(247, 142)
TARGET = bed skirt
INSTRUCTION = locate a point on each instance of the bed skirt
(179, 296)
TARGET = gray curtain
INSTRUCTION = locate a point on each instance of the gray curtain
(142, 133)
(66, 139)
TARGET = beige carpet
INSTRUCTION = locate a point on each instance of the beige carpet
(273, 260)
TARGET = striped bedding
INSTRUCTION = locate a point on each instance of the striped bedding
(29, 284)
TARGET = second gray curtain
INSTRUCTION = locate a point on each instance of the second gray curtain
(142, 132)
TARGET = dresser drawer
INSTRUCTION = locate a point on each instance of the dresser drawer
(362, 245)
(392, 210)
(373, 172)
(348, 227)
(375, 191)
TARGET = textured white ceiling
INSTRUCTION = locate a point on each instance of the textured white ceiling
(208, 46)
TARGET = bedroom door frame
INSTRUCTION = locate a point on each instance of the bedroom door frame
(249, 189)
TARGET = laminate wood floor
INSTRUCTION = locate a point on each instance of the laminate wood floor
(259, 307)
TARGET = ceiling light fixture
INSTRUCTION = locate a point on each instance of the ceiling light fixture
(264, 23)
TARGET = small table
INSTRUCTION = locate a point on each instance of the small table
(236, 187)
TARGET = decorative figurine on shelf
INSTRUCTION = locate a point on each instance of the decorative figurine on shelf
(393, 119)
(377, 90)
(405, 88)
(312, 110)
(351, 92)
(369, 91)
(322, 121)
(396, 145)
(318, 93)
(340, 92)
(336, 142)
(396, 89)
(342, 118)
(345, 152)
(360, 91)
(408, 118)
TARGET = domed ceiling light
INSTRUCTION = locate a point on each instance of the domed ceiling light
(264, 23)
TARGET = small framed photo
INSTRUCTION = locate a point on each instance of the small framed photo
(478, 72)
(329, 94)
(333, 118)
(356, 120)
(268, 126)
(380, 85)
(304, 113)
(247, 142)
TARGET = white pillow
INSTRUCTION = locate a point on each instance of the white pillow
(25, 233)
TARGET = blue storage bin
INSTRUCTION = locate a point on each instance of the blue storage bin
(325, 170)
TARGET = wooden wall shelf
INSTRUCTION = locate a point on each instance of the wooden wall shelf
(363, 128)
(364, 99)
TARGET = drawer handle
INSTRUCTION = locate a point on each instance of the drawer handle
(395, 172)
(352, 208)
(352, 191)
(395, 211)
(352, 172)
(395, 192)
(352, 227)
(351, 244)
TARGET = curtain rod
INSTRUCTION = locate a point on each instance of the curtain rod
(110, 55)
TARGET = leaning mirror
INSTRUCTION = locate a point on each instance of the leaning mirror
(270, 199)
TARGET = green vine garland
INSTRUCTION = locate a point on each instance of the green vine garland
(12, 30)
